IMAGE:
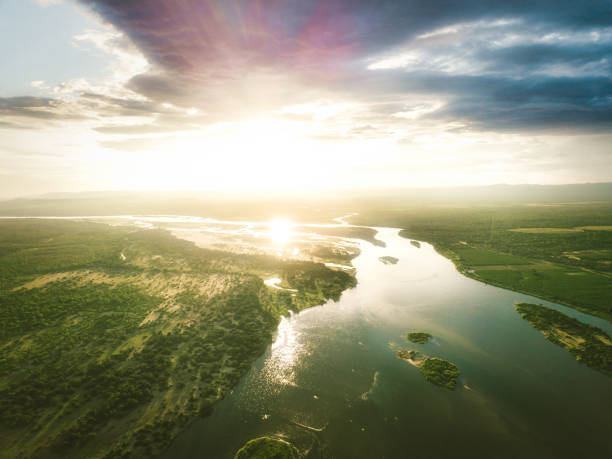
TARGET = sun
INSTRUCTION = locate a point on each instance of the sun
(280, 231)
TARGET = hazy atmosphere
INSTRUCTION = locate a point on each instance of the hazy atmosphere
(305, 229)
(200, 94)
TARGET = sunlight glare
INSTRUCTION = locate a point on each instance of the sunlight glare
(280, 231)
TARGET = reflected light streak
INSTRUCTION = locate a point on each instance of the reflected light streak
(280, 366)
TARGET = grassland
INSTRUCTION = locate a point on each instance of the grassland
(590, 345)
(113, 339)
(578, 229)
(571, 264)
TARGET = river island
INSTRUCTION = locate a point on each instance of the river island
(589, 344)
(265, 448)
(387, 260)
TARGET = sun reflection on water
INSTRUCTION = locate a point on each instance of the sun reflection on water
(280, 231)
(280, 366)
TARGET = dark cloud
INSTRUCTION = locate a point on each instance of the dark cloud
(498, 103)
(537, 56)
(207, 53)
(37, 108)
(158, 87)
(115, 106)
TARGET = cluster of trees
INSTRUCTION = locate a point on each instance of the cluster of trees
(418, 337)
(26, 310)
(33, 247)
(440, 372)
(80, 356)
(315, 283)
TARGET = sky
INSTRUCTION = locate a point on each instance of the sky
(302, 94)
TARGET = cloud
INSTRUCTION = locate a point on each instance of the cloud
(48, 2)
(531, 63)
(34, 107)
(396, 86)
(486, 65)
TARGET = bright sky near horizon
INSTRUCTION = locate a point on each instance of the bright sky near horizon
(294, 94)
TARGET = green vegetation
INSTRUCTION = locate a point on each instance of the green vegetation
(387, 260)
(314, 282)
(440, 372)
(482, 257)
(571, 264)
(417, 244)
(435, 370)
(589, 344)
(113, 339)
(265, 448)
(549, 241)
(562, 230)
(418, 337)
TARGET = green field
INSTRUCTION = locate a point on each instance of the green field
(483, 257)
(561, 230)
(561, 252)
(113, 339)
(585, 290)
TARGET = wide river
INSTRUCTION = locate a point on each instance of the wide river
(332, 385)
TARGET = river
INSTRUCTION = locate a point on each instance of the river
(332, 385)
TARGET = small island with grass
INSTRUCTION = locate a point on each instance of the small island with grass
(417, 244)
(265, 448)
(589, 344)
(387, 260)
(418, 337)
(440, 372)
(436, 371)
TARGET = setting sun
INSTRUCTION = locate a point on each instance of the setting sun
(280, 231)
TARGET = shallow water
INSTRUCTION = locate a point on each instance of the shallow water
(333, 386)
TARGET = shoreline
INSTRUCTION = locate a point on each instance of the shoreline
(471, 274)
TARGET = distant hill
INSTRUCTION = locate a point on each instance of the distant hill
(315, 206)
(497, 194)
